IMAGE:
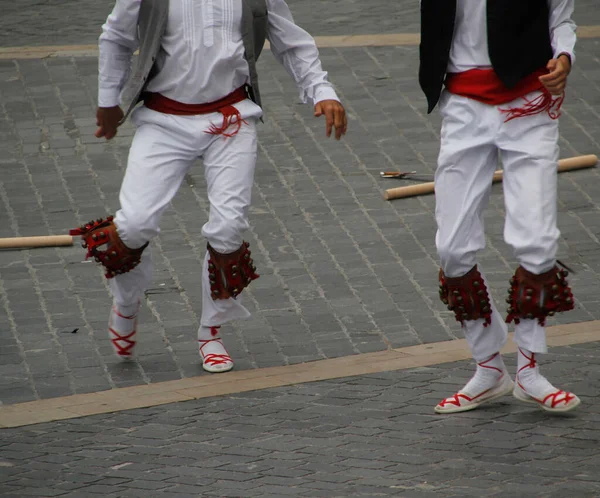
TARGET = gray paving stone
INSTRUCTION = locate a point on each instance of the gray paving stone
(453, 462)
(343, 272)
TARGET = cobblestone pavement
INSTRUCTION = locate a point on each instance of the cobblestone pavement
(342, 270)
(368, 436)
(39, 22)
(76, 22)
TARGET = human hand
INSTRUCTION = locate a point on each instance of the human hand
(556, 80)
(335, 116)
(107, 120)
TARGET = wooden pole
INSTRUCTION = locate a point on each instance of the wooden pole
(42, 241)
(569, 164)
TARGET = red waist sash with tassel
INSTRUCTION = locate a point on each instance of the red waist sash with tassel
(231, 116)
(484, 86)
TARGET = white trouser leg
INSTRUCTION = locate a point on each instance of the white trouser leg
(128, 288)
(160, 155)
(486, 341)
(463, 179)
(529, 148)
(229, 169)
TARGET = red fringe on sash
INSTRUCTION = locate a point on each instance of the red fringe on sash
(484, 86)
(231, 116)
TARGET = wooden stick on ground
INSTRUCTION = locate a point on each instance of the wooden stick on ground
(42, 241)
(569, 164)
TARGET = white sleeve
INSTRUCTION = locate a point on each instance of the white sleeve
(118, 42)
(562, 28)
(297, 51)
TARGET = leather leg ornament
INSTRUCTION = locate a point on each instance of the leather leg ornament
(538, 296)
(467, 296)
(102, 241)
(230, 273)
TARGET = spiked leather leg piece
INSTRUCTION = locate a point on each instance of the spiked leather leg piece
(102, 241)
(538, 296)
(231, 273)
(467, 296)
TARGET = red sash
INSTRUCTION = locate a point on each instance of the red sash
(484, 86)
(231, 116)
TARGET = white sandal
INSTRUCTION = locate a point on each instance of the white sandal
(554, 400)
(215, 362)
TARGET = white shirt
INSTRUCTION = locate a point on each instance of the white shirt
(470, 47)
(202, 54)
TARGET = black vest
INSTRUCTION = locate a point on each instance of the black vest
(518, 34)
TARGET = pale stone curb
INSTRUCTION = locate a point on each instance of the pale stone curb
(206, 386)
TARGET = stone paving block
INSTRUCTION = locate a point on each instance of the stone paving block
(342, 270)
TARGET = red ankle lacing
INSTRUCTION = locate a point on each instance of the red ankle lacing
(532, 363)
(214, 359)
(122, 350)
(455, 399)
(119, 339)
(554, 397)
(483, 364)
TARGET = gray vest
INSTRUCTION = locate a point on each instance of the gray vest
(152, 24)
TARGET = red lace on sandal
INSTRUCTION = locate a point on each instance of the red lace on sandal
(118, 339)
(555, 396)
(213, 359)
(455, 399)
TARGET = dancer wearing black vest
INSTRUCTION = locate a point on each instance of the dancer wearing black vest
(498, 70)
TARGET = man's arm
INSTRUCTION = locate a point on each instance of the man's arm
(563, 38)
(296, 50)
(117, 43)
(562, 28)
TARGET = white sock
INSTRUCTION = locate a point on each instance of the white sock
(127, 310)
(528, 375)
(124, 321)
(212, 347)
(488, 374)
(207, 333)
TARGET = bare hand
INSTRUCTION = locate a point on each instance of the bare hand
(108, 119)
(335, 116)
(556, 80)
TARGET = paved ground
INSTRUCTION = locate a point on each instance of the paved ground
(76, 22)
(368, 436)
(343, 271)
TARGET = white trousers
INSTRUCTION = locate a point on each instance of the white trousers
(473, 137)
(162, 152)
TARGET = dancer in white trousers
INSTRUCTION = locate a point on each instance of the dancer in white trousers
(201, 100)
(504, 66)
